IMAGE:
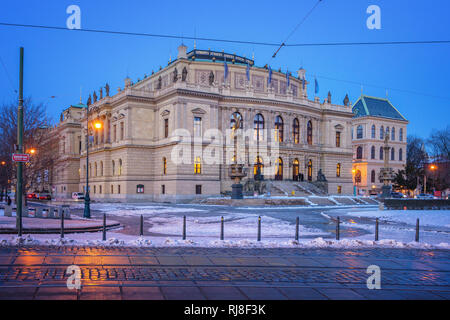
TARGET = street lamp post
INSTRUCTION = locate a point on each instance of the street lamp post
(87, 199)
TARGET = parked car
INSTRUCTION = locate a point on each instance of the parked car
(31, 195)
(78, 195)
(397, 195)
(424, 196)
(45, 196)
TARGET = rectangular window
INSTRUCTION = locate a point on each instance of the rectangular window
(118, 189)
(112, 189)
(100, 189)
(339, 189)
(122, 131)
(140, 188)
(163, 189)
(197, 127)
(338, 139)
(166, 128)
(115, 133)
(198, 189)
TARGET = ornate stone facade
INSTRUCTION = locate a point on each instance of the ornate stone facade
(131, 157)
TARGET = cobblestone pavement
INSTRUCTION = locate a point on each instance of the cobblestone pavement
(218, 273)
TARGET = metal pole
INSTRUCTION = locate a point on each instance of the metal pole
(142, 226)
(417, 230)
(221, 229)
(297, 221)
(259, 228)
(104, 227)
(19, 190)
(338, 221)
(376, 229)
(87, 199)
(62, 223)
(184, 227)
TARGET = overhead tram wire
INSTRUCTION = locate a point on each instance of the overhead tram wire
(296, 27)
(8, 75)
(273, 44)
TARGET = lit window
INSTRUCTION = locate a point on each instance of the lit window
(338, 139)
(197, 165)
(197, 127)
(258, 126)
(140, 188)
(279, 128)
(164, 165)
(338, 170)
(309, 136)
(296, 130)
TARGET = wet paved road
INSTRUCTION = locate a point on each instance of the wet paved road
(218, 273)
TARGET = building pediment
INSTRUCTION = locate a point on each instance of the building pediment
(198, 111)
(339, 127)
(165, 113)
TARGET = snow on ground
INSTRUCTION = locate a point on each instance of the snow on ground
(235, 226)
(116, 239)
(439, 218)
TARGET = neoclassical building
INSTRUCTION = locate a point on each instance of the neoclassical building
(374, 118)
(167, 136)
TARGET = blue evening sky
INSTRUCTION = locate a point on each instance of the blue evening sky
(58, 63)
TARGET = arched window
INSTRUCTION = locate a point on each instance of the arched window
(372, 176)
(392, 154)
(95, 168)
(113, 168)
(296, 130)
(400, 135)
(373, 131)
(236, 116)
(258, 126)
(90, 169)
(381, 132)
(338, 170)
(258, 168)
(279, 173)
(120, 167)
(387, 132)
(372, 152)
(381, 153)
(309, 132)
(101, 168)
(310, 170)
(198, 165)
(279, 128)
(164, 163)
(295, 170)
(359, 132)
(400, 154)
(393, 134)
(359, 152)
(358, 176)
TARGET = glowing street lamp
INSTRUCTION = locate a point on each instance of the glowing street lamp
(97, 125)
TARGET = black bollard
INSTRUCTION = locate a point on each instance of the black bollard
(417, 230)
(184, 227)
(221, 229)
(62, 224)
(104, 227)
(337, 228)
(376, 229)
(259, 228)
(142, 226)
(296, 228)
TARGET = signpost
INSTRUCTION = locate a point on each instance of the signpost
(21, 157)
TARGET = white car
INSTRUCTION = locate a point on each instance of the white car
(78, 196)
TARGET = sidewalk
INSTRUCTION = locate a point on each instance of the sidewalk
(212, 273)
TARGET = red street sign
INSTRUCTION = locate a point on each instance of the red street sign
(21, 157)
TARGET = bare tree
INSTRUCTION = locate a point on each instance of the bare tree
(38, 135)
(439, 143)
